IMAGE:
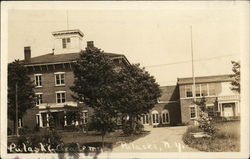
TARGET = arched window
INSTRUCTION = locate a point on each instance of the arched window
(155, 117)
(165, 117)
(145, 119)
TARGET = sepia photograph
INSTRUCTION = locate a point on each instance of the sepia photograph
(141, 79)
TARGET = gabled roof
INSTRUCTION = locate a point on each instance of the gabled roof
(61, 58)
(205, 79)
(169, 93)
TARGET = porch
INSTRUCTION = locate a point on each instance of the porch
(229, 106)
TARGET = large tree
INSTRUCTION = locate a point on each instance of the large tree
(236, 76)
(20, 86)
(95, 85)
(138, 93)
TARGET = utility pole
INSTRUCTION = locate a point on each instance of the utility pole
(17, 133)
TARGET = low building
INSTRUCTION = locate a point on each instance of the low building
(167, 110)
(221, 101)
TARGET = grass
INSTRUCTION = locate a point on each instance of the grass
(92, 139)
(113, 138)
(226, 138)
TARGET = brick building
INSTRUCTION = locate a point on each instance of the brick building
(53, 76)
(167, 110)
(221, 101)
(176, 105)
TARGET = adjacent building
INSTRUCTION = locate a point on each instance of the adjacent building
(176, 105)
(167, 110)
(221, 101)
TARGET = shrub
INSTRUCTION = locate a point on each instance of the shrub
(126, 128)
(205, 123)
(25, 130)
(9, 131)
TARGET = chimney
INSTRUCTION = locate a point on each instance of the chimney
(90, 44)
(27, 54)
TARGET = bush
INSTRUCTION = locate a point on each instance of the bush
(51, 138)
(205, 123)
(9, 131)
(126, 128)
(25, 130)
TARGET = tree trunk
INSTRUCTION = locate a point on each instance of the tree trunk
(132, 123)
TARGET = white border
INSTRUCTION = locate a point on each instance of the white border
(244, 21)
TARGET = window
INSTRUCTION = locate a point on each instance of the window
(45, 122)
(165, 116)
(65, 43)
(210, 110)
(60, 97)
(204, 90)
(155, 116)
(192, 112)
(197, 90)
(188, 90)
(20, 122)
(59, 78)
(38, 80)
(145, 119)
(38, 120)
(39, 98)
(84, 117)
(211, 89)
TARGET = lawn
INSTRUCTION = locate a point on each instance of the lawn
(112, 138)
(226, 138)
(92, 139)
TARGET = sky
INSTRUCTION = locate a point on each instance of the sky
(155, 34)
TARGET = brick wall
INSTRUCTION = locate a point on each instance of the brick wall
(186, 103)
(48, 83)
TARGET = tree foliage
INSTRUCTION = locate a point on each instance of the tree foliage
(128, 91)
(17, 74)
(236, 76)
(138, 93)
(204, 120)
(95, 85)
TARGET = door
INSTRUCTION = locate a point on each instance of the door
(228, 109)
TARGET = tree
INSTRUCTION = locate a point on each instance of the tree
(138, 93)
(236, 76)
(204, 120)
(17, 77)
(95, 85)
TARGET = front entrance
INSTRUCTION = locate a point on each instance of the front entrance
(55, 119)
(228, 109)
(58, 118)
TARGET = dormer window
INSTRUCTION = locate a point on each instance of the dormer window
(65, 43)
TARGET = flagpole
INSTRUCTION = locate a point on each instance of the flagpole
(192, 54)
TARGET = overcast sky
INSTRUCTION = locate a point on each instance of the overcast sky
(156, 34)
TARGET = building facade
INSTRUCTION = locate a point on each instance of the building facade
(167, 110)
(221, 101)
(53, 76)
